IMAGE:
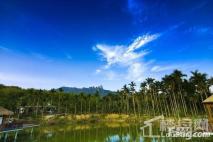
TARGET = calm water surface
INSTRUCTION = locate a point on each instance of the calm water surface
(111, 132)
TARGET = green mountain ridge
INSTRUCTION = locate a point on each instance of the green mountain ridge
(89, 90)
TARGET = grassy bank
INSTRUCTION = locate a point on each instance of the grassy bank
(94, 118)
(91, 118)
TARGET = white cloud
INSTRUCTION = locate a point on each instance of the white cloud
(170, 67)
(136, 71)
(126, 56)
(142, 40)
(98, 71)
(158, 68)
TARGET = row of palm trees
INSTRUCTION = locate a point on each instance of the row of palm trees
(174, 95)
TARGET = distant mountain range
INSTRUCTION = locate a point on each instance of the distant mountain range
(90, 90)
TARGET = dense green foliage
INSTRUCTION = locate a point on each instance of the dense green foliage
(174, 95)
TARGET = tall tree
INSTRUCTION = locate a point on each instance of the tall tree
(132, 91)
(125, 91)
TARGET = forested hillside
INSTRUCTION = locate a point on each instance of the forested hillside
(175, 95)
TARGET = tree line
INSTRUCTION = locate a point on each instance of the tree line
(174, 95)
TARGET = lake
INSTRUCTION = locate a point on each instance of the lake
(108, 132)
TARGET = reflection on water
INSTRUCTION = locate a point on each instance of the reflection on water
(96, 133)
(116, 138)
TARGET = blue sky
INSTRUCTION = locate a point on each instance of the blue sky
(53, 43)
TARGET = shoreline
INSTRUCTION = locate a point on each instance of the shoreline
(100, 118)
(90, 118)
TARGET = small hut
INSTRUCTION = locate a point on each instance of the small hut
(4, 115)
(208, 103)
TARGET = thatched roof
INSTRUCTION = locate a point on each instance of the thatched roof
(4, 111)
(209, 100)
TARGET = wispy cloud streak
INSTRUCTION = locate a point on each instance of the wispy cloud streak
(129, 56)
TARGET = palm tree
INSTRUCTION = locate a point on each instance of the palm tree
(169, 86)
(97, 99)
(132, 91)
(59, 99)
(39, 94)
(200, 85)
(200, 82)
(159, 96)
(121, 101)
(89, 102)
(178, 81)
(81, 97)
(144, 96)
(210, 81)
(125, 91)
(149, 88)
